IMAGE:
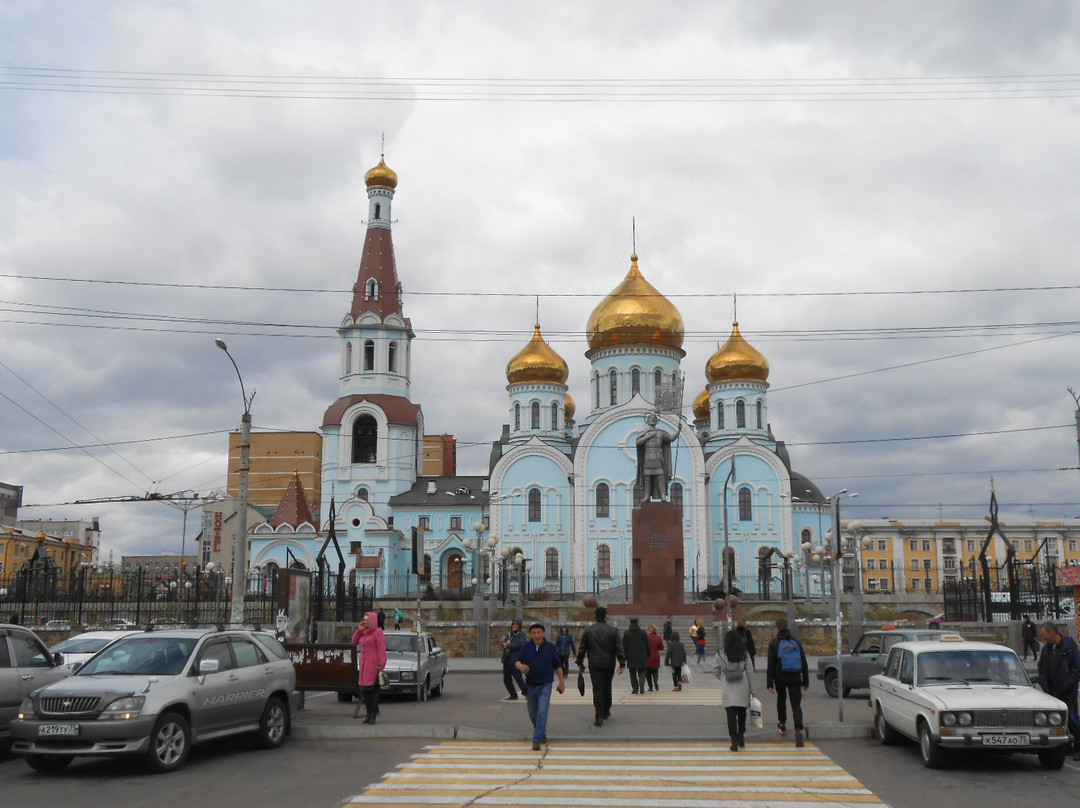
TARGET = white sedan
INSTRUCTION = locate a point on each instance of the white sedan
(969, 695)
(83, 646)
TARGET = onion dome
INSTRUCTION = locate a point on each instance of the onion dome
(537, 362)
(635, 313)
(381, 176)
(701, 406)
(737, 360)
(569, 408)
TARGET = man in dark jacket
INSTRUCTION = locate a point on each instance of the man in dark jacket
(636, 647)
(787, 672)
(676, 658)
(1059, 674)
(1028, 633)
(511, 675)
(602, 645)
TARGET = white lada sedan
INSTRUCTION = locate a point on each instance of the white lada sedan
(965, 695)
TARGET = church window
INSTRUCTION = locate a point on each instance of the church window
(348, 358)
(613, 379)
(603, 561)
(364, 439)
(455, 523)
(746, 510)
(658, 379)
(535, 414)
(534, 504)
(371, 289)
(760, 416)
(369, 355)
(517, 417)
(362, 494)
(677, 495)
(740, 414)
(391, 358)
(551, 564)
(423, 523)
(378, 209)
(603, 501)
(635, 382)
(805, 536)
(637, 496)
(719, 414)
(554, 415)
(597, 390)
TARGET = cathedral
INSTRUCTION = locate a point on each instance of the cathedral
(554, 509)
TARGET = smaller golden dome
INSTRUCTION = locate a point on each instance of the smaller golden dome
(701, 405)
(537, 362)
(382, 176)
(569, 408)
(737, 360)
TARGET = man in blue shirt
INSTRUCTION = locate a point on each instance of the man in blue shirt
(539, 661)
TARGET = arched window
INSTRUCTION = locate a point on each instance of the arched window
(378, 208)
(391, 358)
(534, 504)
(551, 564)
(720, 414)
(369, 355)
(658, 379)
(348, 358)
(371, 289)
(517, 417)
(677, 495)
(365, 439)
(597, 377)
(535, 414)
(805, 537)
(554, 415)
(603, 501)
(740, 414)
(760, 416)
(637, 496)
(746, 511)
(603, 561)
(613, 380)
(635, 382)
(362, 494)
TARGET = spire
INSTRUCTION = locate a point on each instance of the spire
(377, 289)
(294, 509)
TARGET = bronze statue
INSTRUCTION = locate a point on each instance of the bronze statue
(654, 460)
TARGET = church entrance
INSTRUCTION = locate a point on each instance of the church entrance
(454, 571)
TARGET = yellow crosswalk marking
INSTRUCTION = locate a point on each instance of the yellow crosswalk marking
(618, 775)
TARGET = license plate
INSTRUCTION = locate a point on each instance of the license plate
(1006, 740)
(58, 729)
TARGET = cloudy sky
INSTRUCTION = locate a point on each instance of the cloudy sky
(891, 194)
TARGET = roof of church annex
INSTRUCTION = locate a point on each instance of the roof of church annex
(294, 509)
(449, 492)
(635, 313)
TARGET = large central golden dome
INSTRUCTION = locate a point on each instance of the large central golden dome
(537, 362)
(635, 313)
(737, 360)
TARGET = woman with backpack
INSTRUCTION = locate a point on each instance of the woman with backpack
(736, 686)
(787, 673)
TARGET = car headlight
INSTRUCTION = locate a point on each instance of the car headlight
(965, 719)
(948, 719)
(1056, 719)
(408, 676)
(1040, 719)
(124, 709)
(26, 710)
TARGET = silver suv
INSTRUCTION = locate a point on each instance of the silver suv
(155, 694)
(25, 665)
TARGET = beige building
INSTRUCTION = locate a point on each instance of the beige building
(275, 457)
(440, 456)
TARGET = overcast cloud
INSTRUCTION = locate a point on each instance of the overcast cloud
(959, 172)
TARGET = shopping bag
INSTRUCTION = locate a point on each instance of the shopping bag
(581, 681)
(755, 713)
(686, 676)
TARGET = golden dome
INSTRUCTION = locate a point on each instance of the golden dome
(382, 176)
(701, 406)
(536, 362)
(737, 360)
(635, 313)
(569, 408)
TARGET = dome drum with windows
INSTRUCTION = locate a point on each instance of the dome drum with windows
(537, 362)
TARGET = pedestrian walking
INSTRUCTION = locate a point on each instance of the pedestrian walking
(667, 629)
(698, 632)
(538, 660)
(652, 672)
(398, 617)
(565, 645)
(382, 618)
(1028, 633)
(787, 672)
(1059, 675)
(512, 679)
(748, 640)
(371, 646)
(736, 686)
(602, 646)
(676, 658)
(635, 643)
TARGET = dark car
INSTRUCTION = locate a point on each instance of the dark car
(867, 658)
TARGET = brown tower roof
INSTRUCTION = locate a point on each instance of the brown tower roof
(294, 509)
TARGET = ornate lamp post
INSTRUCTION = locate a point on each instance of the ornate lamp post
(838, 586)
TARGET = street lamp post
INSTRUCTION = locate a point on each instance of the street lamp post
(729, 553)
(480, 563)
(239, 566)
(838, 588)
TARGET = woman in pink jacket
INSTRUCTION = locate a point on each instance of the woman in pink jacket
(372, 648)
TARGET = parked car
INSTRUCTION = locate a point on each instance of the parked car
(866, 658)
(57, 625)
(156, 693)
(401, 663)
(936, 620)
(81, 647)
(25, 664)
(969, 695)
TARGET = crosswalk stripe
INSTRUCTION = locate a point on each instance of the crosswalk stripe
(604, 775)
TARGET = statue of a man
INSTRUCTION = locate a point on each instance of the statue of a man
(654, 460)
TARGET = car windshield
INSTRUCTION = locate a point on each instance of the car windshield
(402, 643)
(142, 656)
(82, 645)
(970, 666)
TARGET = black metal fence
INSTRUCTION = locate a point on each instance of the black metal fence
(1005, 593)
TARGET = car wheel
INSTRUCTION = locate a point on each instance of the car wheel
(56, 763)
(274, 724)
(933, 756)
(438, 691)
(885, 733)
(832, 686)
(170, 743)
(1053, 759)
(425, 691)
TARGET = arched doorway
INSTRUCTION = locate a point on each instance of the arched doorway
(454, 571)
